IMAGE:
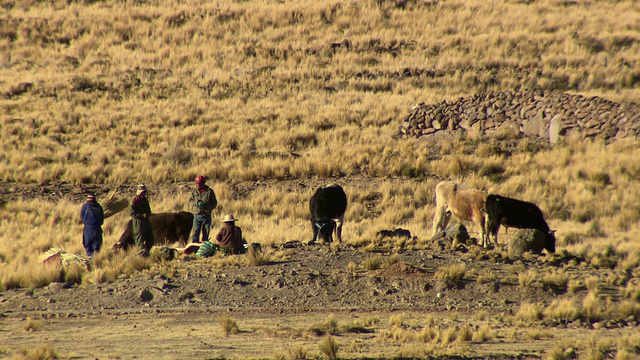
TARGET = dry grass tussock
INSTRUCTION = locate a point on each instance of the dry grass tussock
(162, 92)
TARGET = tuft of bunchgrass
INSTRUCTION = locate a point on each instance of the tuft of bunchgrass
(562, 311)
(529, 312)
(556, 280)
(592, 307)
(31, 325)
(372, 263)
(42, 352)
(329, 346)
(229, 325)
(525, 279)
(297, 353)
(483, 334)
(627, 308)
(452, 275)
(257, 257)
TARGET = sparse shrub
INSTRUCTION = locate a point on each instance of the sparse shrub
(529, 312)
(628, 308)
(351, 268)
(397, 320)
(448, 335)
(592, 284)
(592, 307)
(255, 257)
(329, 347)
(575, 285)
(465, 334)
(330, 327)
(525, 279)
(632, 291)
(428, 334)
(372, 263)
(556, 280)
(563, 311)
(297, 353)
(31, 325)
(229, 325)
(42, 352)
(483, 334)
(452, 275)
(481, 315)
(74, 273)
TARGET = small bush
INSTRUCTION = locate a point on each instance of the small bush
(525, 279)
(229, 325)
(297, 353)
(31, 325)
(42, 352)
(329, 347)
(483, 334)
(562, 311)
(556, 280)
(452, 275)
(529, 312)
(372, 263)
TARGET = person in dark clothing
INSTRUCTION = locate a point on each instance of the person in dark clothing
(203, 201)
(230, 237)
(140, 212)
(92, 216)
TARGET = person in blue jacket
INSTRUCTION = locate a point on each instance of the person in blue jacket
(92, 217)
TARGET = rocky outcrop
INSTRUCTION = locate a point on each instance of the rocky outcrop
(551, 115)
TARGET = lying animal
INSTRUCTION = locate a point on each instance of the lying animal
(327, 206)
(463, 203)
(517, 214)
(398, 233)
(168, 228)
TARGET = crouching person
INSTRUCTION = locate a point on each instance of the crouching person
(230, 237)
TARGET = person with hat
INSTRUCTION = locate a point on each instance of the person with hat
(230, 236)
(92, 216)
(203, 201)
(140, 212)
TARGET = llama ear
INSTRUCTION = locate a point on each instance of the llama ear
(552, 231)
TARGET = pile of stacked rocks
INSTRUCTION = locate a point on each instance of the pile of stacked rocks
(551, 115)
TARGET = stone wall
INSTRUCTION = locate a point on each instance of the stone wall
(551, 115)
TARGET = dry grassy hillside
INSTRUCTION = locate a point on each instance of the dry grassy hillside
(111, 93)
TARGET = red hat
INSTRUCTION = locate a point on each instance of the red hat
(199, 180)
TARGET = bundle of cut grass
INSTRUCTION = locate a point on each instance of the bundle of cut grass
(113, 205)
(59, 257)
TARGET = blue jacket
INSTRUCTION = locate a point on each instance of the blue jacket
(92, 214)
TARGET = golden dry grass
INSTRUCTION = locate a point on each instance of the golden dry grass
(124, 92)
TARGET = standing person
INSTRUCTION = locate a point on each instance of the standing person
(140, 212)
(203, 201)
(92, 216)
(230, 236)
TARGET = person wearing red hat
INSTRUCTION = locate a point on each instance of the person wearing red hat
(203, 202)
(92, 216)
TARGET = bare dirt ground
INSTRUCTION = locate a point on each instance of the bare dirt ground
(284, 308)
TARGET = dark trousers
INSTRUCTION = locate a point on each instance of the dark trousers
(92, 239)
(201, 222)
(142, 234)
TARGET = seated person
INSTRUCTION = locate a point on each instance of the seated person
(230, 237)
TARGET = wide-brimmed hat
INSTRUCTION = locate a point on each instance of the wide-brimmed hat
(141, 189)
(200, 179)
(229, 218)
